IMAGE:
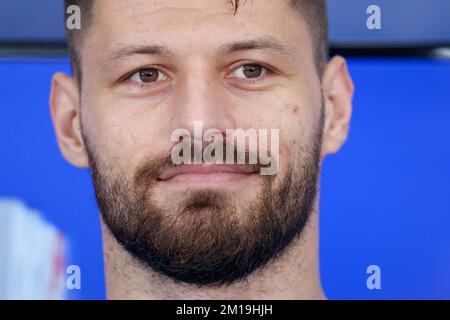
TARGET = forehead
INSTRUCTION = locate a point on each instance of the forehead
(194, 24)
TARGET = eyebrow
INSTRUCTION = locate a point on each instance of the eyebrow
(124, 51)
(262, 43)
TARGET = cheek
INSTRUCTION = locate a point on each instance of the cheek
(110, 142)
(295, 120)
(297, 123)
(115, 140)
(126, 133)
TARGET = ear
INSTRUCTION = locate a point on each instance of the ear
(65, 112)
(338, 92)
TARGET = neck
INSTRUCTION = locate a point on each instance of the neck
(293, 275)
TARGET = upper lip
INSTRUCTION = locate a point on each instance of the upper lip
(205, 169)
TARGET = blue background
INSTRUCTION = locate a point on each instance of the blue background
(385, 196)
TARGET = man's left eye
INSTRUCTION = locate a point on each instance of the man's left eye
(250, 71)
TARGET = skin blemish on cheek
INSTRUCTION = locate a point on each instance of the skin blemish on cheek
(295, 109)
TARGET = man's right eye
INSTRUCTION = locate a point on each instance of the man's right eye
(148, 75)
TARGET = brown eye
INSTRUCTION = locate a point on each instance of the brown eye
(252, 71)
(148, 75)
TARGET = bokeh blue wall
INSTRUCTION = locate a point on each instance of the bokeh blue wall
(32, 169)
(385, 196)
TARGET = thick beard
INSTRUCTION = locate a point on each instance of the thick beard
(205, 241)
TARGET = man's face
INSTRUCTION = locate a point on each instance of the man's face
(151, 67)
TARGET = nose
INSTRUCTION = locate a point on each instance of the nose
(200, 98)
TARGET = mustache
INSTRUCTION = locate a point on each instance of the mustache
(152, 169)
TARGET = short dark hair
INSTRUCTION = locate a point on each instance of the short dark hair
(313, 11)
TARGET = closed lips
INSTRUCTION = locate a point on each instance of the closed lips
(205, 171)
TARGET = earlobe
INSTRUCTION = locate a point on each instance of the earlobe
(65, 113)
(338, 90)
